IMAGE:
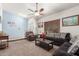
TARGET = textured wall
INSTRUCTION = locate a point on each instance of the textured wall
(32, 25)
(0, 19)
(14, 25)
(74, 30)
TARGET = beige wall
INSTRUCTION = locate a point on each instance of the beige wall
(32, 25)
(74, 30)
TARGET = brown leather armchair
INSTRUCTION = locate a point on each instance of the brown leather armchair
(30, 36)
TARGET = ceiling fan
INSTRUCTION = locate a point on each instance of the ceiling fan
(37, 12)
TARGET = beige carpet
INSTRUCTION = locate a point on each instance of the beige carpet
(25, 48)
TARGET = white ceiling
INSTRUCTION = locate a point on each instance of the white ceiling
(49, 8)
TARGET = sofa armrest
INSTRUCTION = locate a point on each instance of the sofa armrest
(61, 53)
(62, 50)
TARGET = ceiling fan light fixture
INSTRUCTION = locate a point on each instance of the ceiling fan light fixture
(41, 9)
(38, 11)
(37, 14)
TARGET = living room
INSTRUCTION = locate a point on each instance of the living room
(39, 29)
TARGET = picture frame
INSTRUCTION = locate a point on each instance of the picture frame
(70, 21)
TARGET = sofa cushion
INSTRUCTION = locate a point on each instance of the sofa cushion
(57, 35)
(50, 35)
(65, 46)
(62, 35)
(61, 53)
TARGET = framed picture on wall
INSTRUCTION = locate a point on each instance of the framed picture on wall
(70, 21)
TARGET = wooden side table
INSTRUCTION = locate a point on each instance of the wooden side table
(4, 37)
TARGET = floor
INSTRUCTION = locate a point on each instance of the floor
(25, 48)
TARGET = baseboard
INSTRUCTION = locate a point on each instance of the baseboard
(16, 39)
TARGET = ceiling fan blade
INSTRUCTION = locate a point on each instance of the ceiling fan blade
(42, 9)
(31, 10)
(31, 14)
